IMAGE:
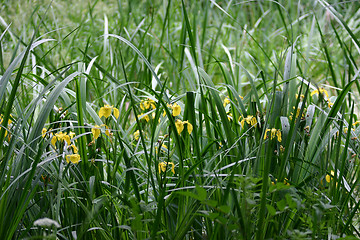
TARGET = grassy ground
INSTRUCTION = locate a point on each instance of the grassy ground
(179, 119)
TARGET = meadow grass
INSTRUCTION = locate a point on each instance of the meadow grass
(179, 119)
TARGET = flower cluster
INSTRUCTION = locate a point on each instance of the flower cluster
(65, 140)
(273, 133)
(163, 165)
(250, 120)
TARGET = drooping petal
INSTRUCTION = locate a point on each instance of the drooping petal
(189, 126)
(67, 139)
(179, 126)
(43, 132)
(96, 131)
(136, 135)
(53, 140)
(116, 113)
(176, 110)
(74, 158)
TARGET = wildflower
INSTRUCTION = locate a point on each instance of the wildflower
(180, 126)
(62, 137)
(146, 104)
(356, 123)
(46, 222)
(75, 149)
(250, 120)
(136, 135)
(74, 158)
(176, 110)
(330, 104)
(146, 117)
(286, 182)
(301, 96)
(273, 132)
(328, 177)
(189, 126)
(162, 167)
(106, 111)
(96, 131)
(2, 119)
(227, 100)
(320, 91)
(229, 116)
(43, 132)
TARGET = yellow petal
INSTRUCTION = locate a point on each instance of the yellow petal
(189, 127)
(75, 149)
(278, 134)
(67, 139)
(226, 101)
(179, 126)
(327, 178)
(53, 140)
(176, 110)
(96, 131)
(116, 113)
(74, 158)
(105, 111)
(43, 132)
(136, 135)
(273, 133)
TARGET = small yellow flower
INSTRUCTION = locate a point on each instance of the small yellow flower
(75, 149)
(273, 133)
(106, 111)
(251, 120)
(328, 177)
(226, 101)
(356, 123)
(146, 104)
(43, 132)
(189, 126)
(96, 131)
(330, 104)
(163, 165)
(136, 135)
(179, 126)
(74, 158)
(320, 91)
(229, 116)
(60, 136)
(286, 182)
(176, 109)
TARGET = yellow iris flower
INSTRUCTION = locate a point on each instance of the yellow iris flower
(328, 177)
(320, 91)
(146, 104)
(180, 126)
(106, 111)
(96, 131)
(162, 167)
(60, 136)
(273, 133)
(74, 158)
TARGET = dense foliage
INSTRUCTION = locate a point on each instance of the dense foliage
(179, 119)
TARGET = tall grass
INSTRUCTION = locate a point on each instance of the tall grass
(191, 119)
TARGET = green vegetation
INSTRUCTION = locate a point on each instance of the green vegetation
(179, 119)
